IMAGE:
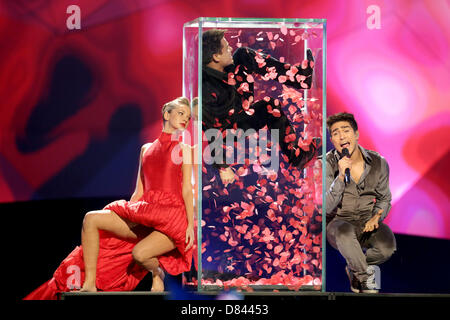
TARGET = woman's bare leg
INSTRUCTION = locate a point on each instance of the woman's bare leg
(146, 251)
(94, 221)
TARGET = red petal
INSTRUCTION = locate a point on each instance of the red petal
(304, 64)
(232, 243)
(278, 249)
(273, 206)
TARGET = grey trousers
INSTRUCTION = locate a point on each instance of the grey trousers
(346, 236)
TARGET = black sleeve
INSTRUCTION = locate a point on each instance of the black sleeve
(247, 58)
(208, 121)
(220, 155)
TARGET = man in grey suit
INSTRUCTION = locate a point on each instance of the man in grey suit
(358, 199)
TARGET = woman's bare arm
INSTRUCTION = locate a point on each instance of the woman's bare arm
(139, 190)
(188, 195)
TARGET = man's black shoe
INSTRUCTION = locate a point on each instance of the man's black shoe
(355, 285)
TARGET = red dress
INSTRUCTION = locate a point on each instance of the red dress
(161, 207)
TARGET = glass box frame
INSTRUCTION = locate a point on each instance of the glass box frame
(303, 33)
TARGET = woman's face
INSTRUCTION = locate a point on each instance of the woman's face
(178, 118)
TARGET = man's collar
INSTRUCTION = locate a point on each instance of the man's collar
(215, 73)
(365, 154)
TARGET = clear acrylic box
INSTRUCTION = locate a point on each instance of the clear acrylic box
(265, 231)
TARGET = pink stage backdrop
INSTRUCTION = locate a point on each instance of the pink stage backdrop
(77, 104)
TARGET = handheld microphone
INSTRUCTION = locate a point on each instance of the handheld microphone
(345, 153)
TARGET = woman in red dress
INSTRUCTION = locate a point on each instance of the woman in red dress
(126, 239)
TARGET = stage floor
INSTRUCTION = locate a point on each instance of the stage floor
(259, 296)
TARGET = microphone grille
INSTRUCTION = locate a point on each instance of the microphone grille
(345, 152)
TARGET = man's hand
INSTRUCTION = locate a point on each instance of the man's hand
(189, 237)
(372, 224)
(226, 175)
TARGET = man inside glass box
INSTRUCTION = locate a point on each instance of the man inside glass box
(358, 199)
(228, 97)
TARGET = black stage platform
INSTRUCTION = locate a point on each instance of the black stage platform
(263, 296)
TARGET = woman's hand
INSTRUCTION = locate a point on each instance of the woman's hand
(189, 237)
(226, 175)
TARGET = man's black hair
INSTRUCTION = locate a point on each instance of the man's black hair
(342, 116)
(211, 44)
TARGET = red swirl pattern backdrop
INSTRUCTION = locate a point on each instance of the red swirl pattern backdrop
(76, 105)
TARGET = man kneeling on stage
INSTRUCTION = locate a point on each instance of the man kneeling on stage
(358, 199)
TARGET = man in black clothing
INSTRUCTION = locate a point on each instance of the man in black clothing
(227, 96)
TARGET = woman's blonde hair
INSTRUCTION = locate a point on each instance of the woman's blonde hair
(169, 106)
